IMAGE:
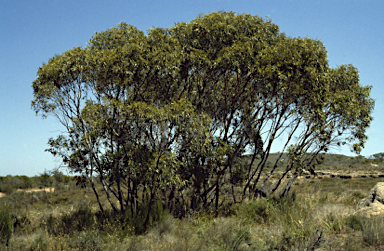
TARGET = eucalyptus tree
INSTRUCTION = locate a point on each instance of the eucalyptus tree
(116, 130)
(171, 114)
(260, 86)
(377, 157)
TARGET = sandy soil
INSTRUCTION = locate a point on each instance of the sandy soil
(47, 189)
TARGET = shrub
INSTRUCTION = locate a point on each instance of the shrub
(334, 223)
(46, 180)
(354, 221)
(300, 230)
(373, 230)
(52, 225)
(223, 234)
(79, 219)
(258, 211)
(40, 242)
(22, 182)
(6, 188)
(87, 241)
(6, 224)
(136, 222)
(353, 198)
(21, 223)
(351, 243)
(306, 238)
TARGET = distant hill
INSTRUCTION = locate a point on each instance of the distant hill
(337, 162)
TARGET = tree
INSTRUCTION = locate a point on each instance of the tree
(378, 157)
(45, 179)
(258, 86)
(170, 115)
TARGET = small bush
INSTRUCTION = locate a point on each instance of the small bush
(83, 217)
(258, 211)
(323, 199)
(373, 230)
(79, 219)
(86, 241)
(40, 242)
(21, 223)
(9, 184)
(7, 189)
(6, 224)
(354, 198)
(354, 221)
(136, 222)
(241, 236)
(52, 225)
(305, 238)
(287, 201)
(224, 234)
(165, 226)
(334, 223)
(352, 243)
(359, 195)
(300, 230)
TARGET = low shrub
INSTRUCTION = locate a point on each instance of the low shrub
(6, 224)
(373, 230)
(21, 223)
(7, 189)
(223, 234)
(334, 223)
(79, 219)
(40, 242)
(86, 240)
(354, 198)
(351, 243)
(258, 211)
(307, 238)
(354, 221)
(136, 222)
(10, 183)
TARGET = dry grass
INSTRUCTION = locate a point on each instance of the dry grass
(321, 217)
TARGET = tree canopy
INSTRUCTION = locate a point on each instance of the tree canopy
(186, 114)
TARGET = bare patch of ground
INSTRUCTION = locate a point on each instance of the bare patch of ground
(342, 175)
(47, 189)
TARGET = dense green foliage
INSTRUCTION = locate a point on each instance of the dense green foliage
(169, 115)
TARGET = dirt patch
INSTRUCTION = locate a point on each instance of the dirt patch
(353, 175)
(47, 189)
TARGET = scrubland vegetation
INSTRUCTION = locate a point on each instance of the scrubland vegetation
(317, 214)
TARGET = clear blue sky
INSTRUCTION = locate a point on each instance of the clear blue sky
(34, 31)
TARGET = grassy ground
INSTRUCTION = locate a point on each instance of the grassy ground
(318, 215)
